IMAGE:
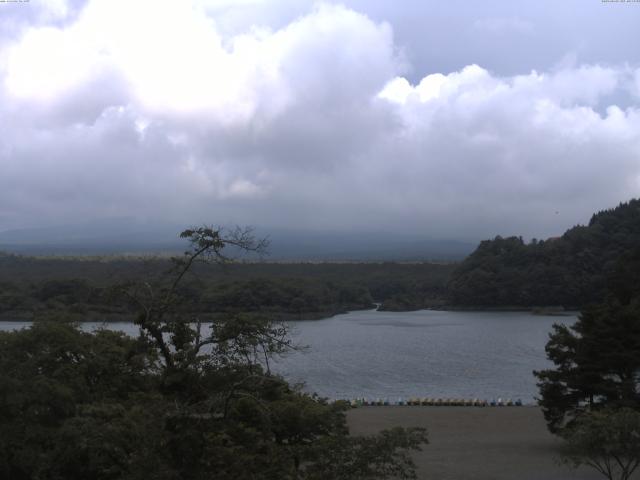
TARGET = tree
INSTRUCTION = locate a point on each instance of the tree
(178, 342)
(178, 401)
(597, 363)
(57, 382)
(608, 441)
(598, 359)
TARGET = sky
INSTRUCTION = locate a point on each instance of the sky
(450, 119)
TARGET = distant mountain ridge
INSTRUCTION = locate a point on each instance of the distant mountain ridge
(126, 236)
(572, 270)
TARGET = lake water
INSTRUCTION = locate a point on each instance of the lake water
(426, 353)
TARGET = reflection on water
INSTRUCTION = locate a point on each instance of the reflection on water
(427, 353)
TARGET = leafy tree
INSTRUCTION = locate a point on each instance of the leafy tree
(598, 359)
(608, 441)
(53, 376)
(183, 400)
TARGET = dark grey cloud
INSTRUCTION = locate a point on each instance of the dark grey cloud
(424, 117)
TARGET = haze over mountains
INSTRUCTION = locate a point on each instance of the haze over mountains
(128, 236)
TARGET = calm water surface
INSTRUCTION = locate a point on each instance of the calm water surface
(426, 353)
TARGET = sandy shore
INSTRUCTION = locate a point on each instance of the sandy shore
(476, 443)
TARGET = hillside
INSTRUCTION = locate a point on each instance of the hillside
(572, 270)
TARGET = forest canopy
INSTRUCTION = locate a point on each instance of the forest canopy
(569, 271)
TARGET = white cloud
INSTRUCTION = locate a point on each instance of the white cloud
(157, 112)
(175, 60)
(517, 144)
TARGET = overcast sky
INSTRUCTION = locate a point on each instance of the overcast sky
(450, 118)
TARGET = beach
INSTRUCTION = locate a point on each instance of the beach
(475, 443)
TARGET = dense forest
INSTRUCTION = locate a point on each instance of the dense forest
(570, 271)
(32, 287)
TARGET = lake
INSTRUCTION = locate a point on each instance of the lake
(425, 353)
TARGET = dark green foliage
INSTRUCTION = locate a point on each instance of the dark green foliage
(597, 360)
(289, 296)
(381, 457)
(571, 270)
(183, 401)
(608, 441)
(81, 288)
(56, 382)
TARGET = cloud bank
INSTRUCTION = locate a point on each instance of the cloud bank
(154, 110)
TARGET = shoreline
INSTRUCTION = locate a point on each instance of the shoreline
(119, 317)
(539, 311)
(312, 316)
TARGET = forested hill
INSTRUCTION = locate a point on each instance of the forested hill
(572, 270)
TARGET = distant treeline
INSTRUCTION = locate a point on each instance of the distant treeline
(86, 287)
(572, 270)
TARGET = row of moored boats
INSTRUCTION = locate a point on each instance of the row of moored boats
(436, 402)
